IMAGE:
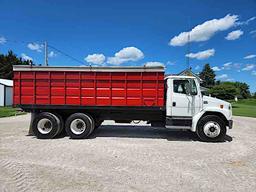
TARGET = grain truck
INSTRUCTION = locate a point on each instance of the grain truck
(78, 99)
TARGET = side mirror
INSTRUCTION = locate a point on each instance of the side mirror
(188, 89)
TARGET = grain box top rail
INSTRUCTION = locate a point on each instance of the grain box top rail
(90, 68)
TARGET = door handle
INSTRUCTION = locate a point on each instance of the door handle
(173, 104)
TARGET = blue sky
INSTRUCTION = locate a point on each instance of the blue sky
(222, 33)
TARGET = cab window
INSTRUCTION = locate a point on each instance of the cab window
(179, 86)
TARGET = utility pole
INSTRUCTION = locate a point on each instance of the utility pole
(188, 45)
(188, 51)
(45, 53)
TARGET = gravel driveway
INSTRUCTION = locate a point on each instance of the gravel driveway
(127, 158)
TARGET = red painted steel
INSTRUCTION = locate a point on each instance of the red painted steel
(89, 88)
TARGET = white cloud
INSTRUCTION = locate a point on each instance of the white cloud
(205, 31)
(202, 54)
(96, 58)
(234, 35)
(245, 22)
(254, 73)
(35, 47)
(216, 68)
(237, 65)
(249, 20)
(2, 40)
(222, 77)
(52, 54)
(197, 67)
(249, 56)
(253, 33)
(227, 65)
(125, 55)
(154, 64)
(171, 63)
(26, 57)
(248, 67)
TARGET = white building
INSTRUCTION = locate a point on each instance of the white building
(6, 87)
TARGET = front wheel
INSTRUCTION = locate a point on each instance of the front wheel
(211, 128)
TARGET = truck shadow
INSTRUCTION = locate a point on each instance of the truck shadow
(147, 132)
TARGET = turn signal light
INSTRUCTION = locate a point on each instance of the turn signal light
(221, 106)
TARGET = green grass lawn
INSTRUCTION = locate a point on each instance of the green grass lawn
(9, 111)
(245, 107)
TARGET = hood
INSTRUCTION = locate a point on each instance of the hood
(215, 102)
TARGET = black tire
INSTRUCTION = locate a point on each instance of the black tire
(213, 135)
(45, 125)
(79, 126)
(60, 123)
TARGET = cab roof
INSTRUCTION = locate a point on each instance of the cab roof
(179, 77)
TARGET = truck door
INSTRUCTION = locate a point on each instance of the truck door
(182, 103)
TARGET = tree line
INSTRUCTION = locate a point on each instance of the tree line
(6, 64)
(226, 89)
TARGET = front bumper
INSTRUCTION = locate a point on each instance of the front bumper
(230, 124)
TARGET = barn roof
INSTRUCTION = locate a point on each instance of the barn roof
(189, 72)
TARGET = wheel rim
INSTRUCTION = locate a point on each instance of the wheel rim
(212, 129)
(44, 126)
(77, 126)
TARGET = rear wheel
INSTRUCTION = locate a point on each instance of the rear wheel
(79, 125)
(60, 123)
(45, 125)
(211, 128)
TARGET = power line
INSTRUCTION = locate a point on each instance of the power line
(67, 55)
(23, 42)
(56, 49)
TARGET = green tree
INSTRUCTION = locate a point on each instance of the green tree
(244, 89)
(208, 76)
(217, 82)
(224, 91)
(6, 64)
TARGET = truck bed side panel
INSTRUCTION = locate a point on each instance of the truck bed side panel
(89, 88)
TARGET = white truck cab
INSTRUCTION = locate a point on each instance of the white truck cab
(187, 108)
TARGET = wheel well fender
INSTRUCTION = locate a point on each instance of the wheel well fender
(199, 116)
